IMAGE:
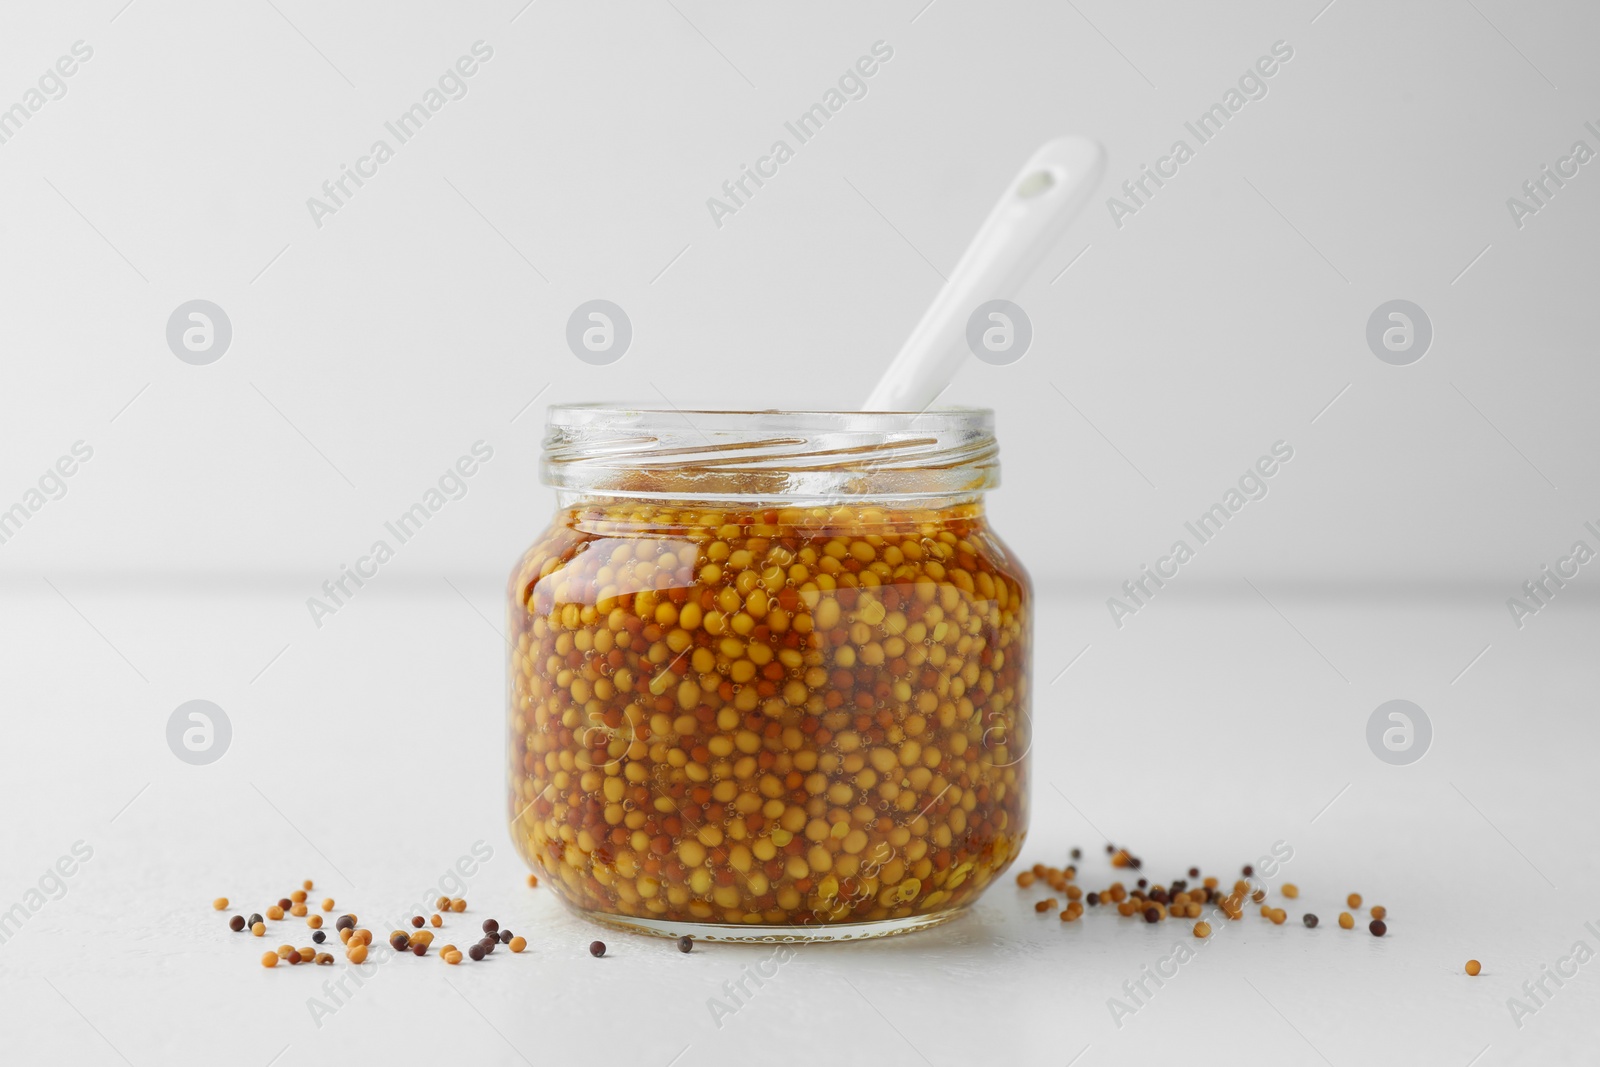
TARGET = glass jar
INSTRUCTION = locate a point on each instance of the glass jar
(769, 672)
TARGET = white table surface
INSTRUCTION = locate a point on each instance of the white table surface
(368, 757)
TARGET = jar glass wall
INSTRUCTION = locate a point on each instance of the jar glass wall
(769, 675)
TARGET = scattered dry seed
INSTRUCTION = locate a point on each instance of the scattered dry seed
(1380, 912)
(1346, 920)
(297, 910)
(345, 922)
(458, 905)
(285, 903)
(442, 904)
(1259, 895)
(1354, 901)
(324, 959)
(294, 956)
(284, 950)
(306, 885)
(1193, 911)
(491, 926)
(1278, 916)
(356, 954)
(259, 929)
(254, 918)
(520, 943)
(1473, 967)
(319, 936)
(398, 940)
(1152, 914)
(269, 959)
(476, 952)
(236, 923)
(298, 896)
(314, 921)
(1210, 883)
(1378, 927)
(417, 920)
(533, 881)
(1310, 921)
(1045, 905)
(327, 903)
(597, 948)
(221, 904)
(344, 936)
(1202, 929)
(452, 958)
(1291, 890)
(419, 948)
(274, 913)
(436, 921)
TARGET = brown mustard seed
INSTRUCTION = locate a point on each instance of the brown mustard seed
(1354, 901)
(345, 922)
(1473, 967)
(1346, 920)
(491, 926)
(1310, 920)
(1290, 890)
(319, 936)
(1194, 872)
(398, 941)
(259, 929)
(1152, 914)
(476, 952)
(236, 923)
(1202, 929)
(520, 943)
(294, 956)
(220, 904)
(417, 920)
(1378, 927)
(254, 918)
(505, 936)
(597, 948)
(419, 948)
(1248, 870)
(1379, 911)
(269, 959)
(685, 944)
(285, 903)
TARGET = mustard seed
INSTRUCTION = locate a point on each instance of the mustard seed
(314, 921)
(220, 904)
(442, 904)
(324, 959)
(1248, 870)
(327, 903)
(419, 948)
(1259, 895)
(284, 950)
(319, 937)
(1093, 899)
(274, 913)
(1202, 929)
(356, 953)
(1380, 912)
(298, 896)
(398, 941)
(1152, 914)
(269, 959)
(1291, 890)
(1346, 920)
(1310, 920)
(505, 936)
(491, 926)
(533, 881)
(1026, 878)
(1473, 967)
(458, 905)
(254, 918)
(452, 957)
(487, 944)
(294, 956)
(345, 922)
(436, 921)
(259, 929)
(306, 885)
(1354, 901)
(597, 948)
(1378, 927)
(476, 952)
(236, 923)
(518, 944)
(285, 903)
(1045, 905)
(417, 920)
(1194, 872)
(685, 944)
(1077, 853)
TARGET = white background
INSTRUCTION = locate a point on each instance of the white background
(1169, 353)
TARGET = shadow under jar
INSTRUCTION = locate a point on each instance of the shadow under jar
(769, 672)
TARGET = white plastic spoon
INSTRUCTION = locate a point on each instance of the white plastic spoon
(1035, 210)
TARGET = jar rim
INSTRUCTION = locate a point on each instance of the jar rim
(663, 451)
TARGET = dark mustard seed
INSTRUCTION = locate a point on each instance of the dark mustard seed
(505, 937)
(255, 917)
(597, 948)
(346, 922)
(236, 923)
(1152, 914)
(319, 936)
(476, 952)
(686, 943)
(1378, 927)
(1310, 920)
(417, 920)
(491, 926)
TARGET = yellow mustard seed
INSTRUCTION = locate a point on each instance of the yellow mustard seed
(1354, 901)
(1379, 911)
(1473, 967)
(269, 959)
(1202, 929)
(259, 929)
(519, 943)
(1346, 921)
(220, 904)
(1291, 890)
